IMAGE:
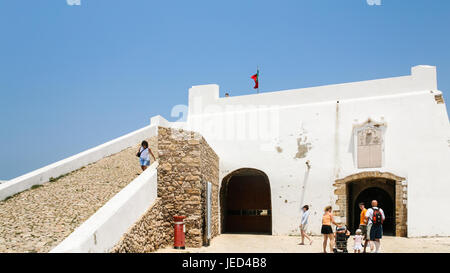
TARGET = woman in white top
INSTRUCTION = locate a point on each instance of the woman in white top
(304, 224)
(144, 155)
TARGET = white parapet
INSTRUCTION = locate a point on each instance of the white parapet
(104, 229)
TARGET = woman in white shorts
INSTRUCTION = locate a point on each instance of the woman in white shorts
(304, 225)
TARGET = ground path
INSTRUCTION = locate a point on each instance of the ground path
(233, 243)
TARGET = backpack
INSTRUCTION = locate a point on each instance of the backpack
(377, 218)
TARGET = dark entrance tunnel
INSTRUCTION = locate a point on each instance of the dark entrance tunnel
(385, 202)
(246, 202)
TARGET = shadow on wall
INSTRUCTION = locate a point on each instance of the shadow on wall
(305, 183)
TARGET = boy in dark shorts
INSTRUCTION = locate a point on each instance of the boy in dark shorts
(363, 225)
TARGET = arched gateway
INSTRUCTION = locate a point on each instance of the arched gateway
(245, 202)
(388, 189)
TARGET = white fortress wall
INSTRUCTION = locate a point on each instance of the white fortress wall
(77, 161)
(416, 148)
(272, 131)
(425, 150)
(422, 78)
(105, 228)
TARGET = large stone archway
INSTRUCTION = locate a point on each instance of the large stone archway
(245, 202)
(365, 180)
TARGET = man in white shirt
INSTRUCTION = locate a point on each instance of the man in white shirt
(375, 217)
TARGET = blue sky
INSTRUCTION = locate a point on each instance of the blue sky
(73, 77)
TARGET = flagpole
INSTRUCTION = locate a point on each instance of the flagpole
(257, 71)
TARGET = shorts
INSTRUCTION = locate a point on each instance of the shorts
(144, 162)
(326, 229)
(376, 232)
(304, 227)
(363, 229)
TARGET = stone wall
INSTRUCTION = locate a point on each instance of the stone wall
(186, 164)
(148, 234)
(401, 198)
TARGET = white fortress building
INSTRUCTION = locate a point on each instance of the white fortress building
(386, 139)
(264, 156)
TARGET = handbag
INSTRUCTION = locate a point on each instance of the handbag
(139, 153)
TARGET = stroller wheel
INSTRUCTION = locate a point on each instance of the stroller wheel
(345, 251)
(335, 250)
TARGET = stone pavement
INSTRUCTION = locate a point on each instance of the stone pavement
(244, 243)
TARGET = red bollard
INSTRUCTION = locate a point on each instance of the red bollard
(179, 232)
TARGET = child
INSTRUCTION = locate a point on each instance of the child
(144, 155)
(358, 241)
(342, 234)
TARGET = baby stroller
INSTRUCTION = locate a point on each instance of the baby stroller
(342, 235)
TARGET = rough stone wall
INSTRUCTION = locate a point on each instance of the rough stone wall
(148, 234)
(401, 198)
(186, 164)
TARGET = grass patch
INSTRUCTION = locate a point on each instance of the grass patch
(35, 186)
(52, 179)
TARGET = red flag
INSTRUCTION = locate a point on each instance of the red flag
(256, 78)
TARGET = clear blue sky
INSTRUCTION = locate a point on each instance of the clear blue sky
(73, 77)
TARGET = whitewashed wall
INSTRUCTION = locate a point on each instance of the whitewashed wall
(77, 161)
(261, 131)
(105, 228)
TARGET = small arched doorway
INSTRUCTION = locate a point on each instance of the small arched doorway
(373, 185)
(385, 202)
(246, 202)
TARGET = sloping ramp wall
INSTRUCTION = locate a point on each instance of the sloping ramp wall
(105, 228)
